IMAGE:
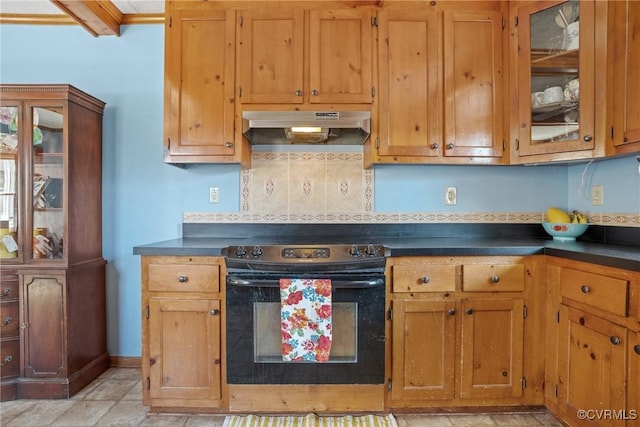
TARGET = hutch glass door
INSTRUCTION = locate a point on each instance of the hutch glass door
(9, 152)
(47, 137)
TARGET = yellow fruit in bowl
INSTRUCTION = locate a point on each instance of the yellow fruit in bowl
(557, 215)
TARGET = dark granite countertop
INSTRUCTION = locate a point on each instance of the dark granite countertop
(598, 247)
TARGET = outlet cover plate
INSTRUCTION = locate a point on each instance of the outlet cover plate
(597, 195)
(450, 196)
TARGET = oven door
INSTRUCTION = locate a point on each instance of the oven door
(254, 343)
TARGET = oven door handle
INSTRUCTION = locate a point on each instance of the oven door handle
(271, 283)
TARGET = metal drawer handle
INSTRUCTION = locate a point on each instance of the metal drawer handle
(435, 146)
(615, 340)
(7, 359)
(452, 311)
(6, 291)
(214, 312)
(585, 289)
(450, 146)
(298, 92)
(495, 279)
(469, 311)
(183, 279)
(588, 138)
(425, 279)
(228, 144)
(7, 320)
(314, 92)
(637, 349)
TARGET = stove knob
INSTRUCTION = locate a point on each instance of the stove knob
(241, 251)
(257, 251)
(354, 250)
(371, 250)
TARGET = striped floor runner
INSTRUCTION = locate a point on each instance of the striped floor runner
(310, 420)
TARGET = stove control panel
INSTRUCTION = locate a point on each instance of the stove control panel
(296, 253)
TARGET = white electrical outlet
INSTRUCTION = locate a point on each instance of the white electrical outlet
(214, 194)
(597, 195)
(450, 196)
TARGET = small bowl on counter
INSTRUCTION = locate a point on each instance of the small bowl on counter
(564, 231)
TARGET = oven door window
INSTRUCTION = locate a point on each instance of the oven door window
(268, 340)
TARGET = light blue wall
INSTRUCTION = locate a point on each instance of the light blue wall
(144, 199)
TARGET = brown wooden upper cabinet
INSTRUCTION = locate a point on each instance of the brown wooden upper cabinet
(555, 67)
(274, 68)
(199, 86)
(442, 90)
(624, 58)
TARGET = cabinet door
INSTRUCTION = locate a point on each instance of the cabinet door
(44, 317)
(492, 347)
(199, 83)
(423, 350)
(340, 56)
(184, 352)
(473, 84)
(271, 56)
(591, 364)
(626, 62)
(556, 78)
(633, 378)
(11, 113)
(410, 87)
(47, 158)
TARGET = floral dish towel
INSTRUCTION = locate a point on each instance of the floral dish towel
(305, 310)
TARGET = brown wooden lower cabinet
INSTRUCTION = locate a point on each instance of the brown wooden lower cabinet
(63, 337)
(459, 331)
(592, 372)
(9, 334)
(182, 334)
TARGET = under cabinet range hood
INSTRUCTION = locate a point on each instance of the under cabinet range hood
(306, 127)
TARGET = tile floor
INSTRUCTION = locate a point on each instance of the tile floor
(114, 399)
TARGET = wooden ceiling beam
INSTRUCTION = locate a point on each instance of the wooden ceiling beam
(99, 17)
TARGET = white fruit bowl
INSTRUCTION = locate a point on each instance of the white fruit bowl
(564, 231)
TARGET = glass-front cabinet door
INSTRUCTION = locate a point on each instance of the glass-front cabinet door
(9, 182)
(555, 77)
(46, 128)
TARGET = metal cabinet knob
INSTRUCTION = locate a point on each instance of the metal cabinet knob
(7, 359)
(314, 92)
(452, 311)
(214, 312)
(469, 311)
(425, 279)
(228, 144)
(6, 291)
(615, 340)
(587, 138)
(450, 146)
(298, 92)
(495, 279)
(435, 146)
(183, 279)
(637, 349)
(585, 289)
(7, 320)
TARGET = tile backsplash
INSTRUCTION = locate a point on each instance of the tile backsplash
(312, 185)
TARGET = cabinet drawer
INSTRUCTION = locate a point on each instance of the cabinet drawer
(420, 277)
(184, 278)
(9, 320)
(493, 277)
(604, 292)
(9, 288)
(10, 358)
